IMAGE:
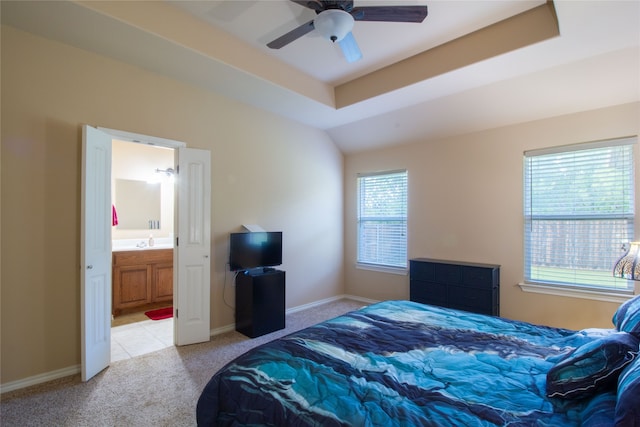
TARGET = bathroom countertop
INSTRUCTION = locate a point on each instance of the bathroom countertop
(145, 248)
(141, 244)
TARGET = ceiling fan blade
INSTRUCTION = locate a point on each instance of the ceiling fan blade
(350, 48)
(390, 13)
(292, 35)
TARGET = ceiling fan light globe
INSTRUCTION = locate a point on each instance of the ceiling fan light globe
(333, 24)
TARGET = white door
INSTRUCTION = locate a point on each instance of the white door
(95, 277)
(191, 265)
(191, 289)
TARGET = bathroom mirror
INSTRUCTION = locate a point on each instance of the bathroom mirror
(137, 203)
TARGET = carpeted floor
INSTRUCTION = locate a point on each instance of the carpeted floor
(157, 389)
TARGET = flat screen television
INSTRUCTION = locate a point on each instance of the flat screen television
(254, 250)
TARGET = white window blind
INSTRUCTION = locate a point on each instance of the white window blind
(578, 213)
(382, 219)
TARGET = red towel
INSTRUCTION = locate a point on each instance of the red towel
(114, 216)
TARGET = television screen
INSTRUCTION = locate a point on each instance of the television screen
(255, 249)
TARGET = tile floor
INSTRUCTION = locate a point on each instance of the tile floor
(136, 339)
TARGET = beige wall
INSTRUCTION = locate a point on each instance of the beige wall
(465, 203)
(265, 170)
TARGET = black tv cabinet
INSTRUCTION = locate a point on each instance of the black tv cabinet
(260, 301)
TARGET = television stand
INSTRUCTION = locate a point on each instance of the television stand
(260, 301)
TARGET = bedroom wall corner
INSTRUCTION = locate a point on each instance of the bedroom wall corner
(465, 204)
(265, 169)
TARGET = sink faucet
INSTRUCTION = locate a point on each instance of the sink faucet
(142, 244)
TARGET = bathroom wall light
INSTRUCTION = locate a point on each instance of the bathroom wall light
(169, 171)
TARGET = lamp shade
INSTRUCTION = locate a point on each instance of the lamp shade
(333, 24)
(628, 267)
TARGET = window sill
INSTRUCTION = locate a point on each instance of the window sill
(382, 269)
(594, 294)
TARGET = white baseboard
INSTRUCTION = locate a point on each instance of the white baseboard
(328, 300)
(72, 370)
(39, 379)
(222, 330)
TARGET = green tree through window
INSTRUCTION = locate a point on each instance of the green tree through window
(578, 212)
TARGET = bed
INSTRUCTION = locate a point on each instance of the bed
(405, 363)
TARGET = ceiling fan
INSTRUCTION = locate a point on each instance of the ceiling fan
(336, 18)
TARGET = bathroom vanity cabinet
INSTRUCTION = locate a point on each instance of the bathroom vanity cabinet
(141, 278)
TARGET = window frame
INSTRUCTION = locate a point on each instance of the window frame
(589, 291)
(368, 264)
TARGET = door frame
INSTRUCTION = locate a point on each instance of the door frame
(147, 140)
(142, 139)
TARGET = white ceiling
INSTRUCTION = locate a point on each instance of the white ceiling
(259, 22)
(221, 46)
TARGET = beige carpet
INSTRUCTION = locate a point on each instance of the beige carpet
(157, 389)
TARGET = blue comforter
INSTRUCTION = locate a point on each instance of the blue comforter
(399, 363)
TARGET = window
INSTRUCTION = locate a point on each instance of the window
(578, 212)
(382, 219)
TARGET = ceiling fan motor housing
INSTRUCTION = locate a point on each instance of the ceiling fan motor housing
(334, 24)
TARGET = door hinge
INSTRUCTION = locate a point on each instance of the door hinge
(176, 240)
(176, 313)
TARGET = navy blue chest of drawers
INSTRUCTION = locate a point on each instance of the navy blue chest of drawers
(461, 285)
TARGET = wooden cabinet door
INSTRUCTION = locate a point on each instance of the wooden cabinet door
(162, 288)
(132, 286)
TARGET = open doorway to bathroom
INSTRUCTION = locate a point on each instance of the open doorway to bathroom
(142, 194)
